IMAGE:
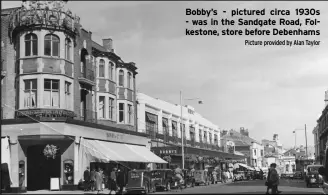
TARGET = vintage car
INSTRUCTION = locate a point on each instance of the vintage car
(162, 178)
(189, 178)
(201, 177)
(298, 175)
(139, 181)
(312, 175)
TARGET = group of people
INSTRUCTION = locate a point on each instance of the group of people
(272, 181)
(96, 180)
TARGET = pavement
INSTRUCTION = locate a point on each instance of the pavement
(242, 187)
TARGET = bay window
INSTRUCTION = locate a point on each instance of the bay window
(121, 78)
(30, 93)
(129, 80)
(68, 49)
(51, 93)
(31, 45)
(51, 45)
(112, 75)
(101, 68)
(130, 112)
(68, 95)
(121, 112)
(110, 108)
(101, 107)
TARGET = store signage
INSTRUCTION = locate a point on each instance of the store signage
(116, 136)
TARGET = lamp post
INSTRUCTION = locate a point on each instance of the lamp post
(306, 147)
(182, 133)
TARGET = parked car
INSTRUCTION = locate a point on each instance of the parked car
(162, 178)
(312, 175)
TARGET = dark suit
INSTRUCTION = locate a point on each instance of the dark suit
(86, 177)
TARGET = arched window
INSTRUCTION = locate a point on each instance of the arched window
(101, 68)
(129, 80)
(31, 45)
(68, 48)
(121, 78)
(110, 70)
(51, 45)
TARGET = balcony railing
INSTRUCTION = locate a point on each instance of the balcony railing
(87, 115)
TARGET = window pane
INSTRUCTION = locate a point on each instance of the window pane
(128, 82)
(27, 84)
(46, 98)
(121, 78)
(55, 38)
(101, 70)
(121, 119)
(28, 37)
(33, 98)
(47, 47)
(34, 84)
(27, 48)
(55, 84)
(35, 47)
(55, 98)
(47, 84)
(55, 48)
(121, 106)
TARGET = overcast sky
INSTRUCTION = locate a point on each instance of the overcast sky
(267, 90)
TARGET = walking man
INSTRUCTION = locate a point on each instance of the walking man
(86, 177)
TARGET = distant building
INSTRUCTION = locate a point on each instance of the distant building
(252, 149)
(323, 130)
(316, 144)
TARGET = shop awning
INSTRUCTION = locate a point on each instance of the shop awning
(246, 166)
(151, 118)
(108, 151)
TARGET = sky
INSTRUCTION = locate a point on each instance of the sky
(267, 90)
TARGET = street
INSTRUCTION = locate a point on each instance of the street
(251, 187)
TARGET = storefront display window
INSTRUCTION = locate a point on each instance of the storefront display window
(68, 172)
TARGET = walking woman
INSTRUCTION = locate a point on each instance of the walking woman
(99, 180)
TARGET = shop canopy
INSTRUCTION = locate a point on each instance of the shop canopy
(101, 151)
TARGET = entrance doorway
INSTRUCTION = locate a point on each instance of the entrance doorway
(40, 169)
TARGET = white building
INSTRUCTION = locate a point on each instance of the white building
(155, 115)
(257, 154)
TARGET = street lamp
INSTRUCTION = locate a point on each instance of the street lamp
(306, 148)
(182, 136)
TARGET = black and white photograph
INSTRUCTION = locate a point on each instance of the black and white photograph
(164, 97)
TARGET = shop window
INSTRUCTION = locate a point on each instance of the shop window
(121, 112)
(51, 45)
(21, 173)
(130, 114)
(68, 172)
(68, 95)
(151, 124)
(102, 68)
(121, 78)
(30, 93)
(110, 108)
(51, 93)
(101, 107)
(68, 49)
(31, 45)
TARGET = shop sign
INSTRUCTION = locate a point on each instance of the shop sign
(116, 136)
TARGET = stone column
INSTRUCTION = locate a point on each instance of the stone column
(14, 163)
(76, 161)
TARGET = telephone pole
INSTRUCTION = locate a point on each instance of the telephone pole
(306, 149)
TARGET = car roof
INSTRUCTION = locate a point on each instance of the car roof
(314, 166)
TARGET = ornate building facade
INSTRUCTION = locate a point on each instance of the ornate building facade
(63, 91)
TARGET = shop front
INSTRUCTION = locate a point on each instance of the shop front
(195, 157)
(63, 150)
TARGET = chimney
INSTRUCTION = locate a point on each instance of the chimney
(244, 131)
(108, 44)
(326, 98)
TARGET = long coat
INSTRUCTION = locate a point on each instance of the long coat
(99, 181)
(274, 177)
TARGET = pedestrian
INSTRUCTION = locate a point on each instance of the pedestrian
(98, 176)
(120, 179)
(273, 179)
(86, 177)
(267, 183)
(93, 179)
(112, 181)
